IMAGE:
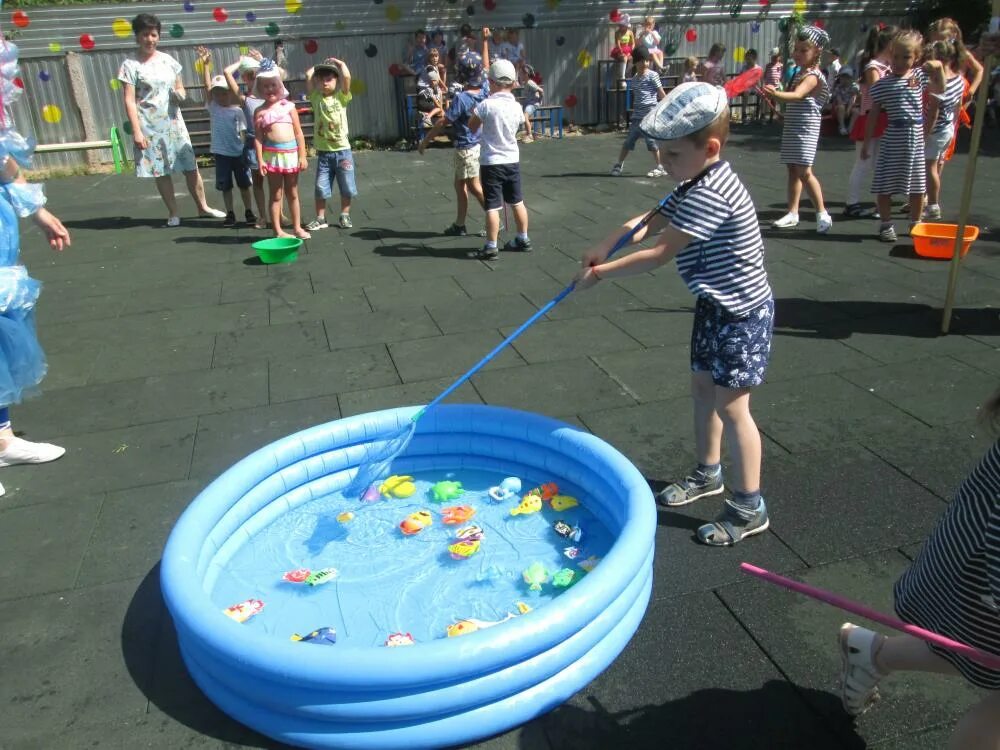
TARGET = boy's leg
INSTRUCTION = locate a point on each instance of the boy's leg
(512, 197)
(886, 231)
(323, 190)
(492, 203)
(259, 198)
(346, 184)
(628, 145)
(461, 202)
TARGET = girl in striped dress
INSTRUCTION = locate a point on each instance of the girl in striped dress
(899, 167)
(940, 117)
(953, 589)
(805, 98)
(874, 66)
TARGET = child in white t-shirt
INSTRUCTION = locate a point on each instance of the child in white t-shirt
(650, 39)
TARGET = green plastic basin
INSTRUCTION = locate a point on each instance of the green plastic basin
(278, 249)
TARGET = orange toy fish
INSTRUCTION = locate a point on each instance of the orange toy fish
(416, 522)
(457, 513)
(547, 491)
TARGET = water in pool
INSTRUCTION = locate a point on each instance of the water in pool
(389, 582)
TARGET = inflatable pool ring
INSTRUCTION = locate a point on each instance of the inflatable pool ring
(565, 578)
(320, 636)
(508, 489)
(416, 522)
(397, 486)
(446, 490)
(244, 610)
(457, 514)
(535, 575)
(563, 502)
(530, 504)
(395, 640)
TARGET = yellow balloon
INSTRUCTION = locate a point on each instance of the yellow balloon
(393, 13)
(51, 113)
(115, 84)
(55, 47)
(121, 27)
(244, 49)
(739, 54)
(800, 6)
(584, 58)
(199, 67)
(293, 6)
(358, 87)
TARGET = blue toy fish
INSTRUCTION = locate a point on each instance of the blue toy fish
(322, 636)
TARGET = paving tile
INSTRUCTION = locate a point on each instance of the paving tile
(202, 392)
(273, 287)
(71, 410)
(799, 634)
(359, 328)
(958, 390)
(407, 394)
(654, 326)
(344, 302)
(326, 374)
(270, 343)
(603, 297)
(59, 308)
(145, 357)
(502, 280)
(155, 299)
(44, 544)
(796, 356)
(102, 460)
(547, 341)
(224, 439)
(454, 354)
(482, 313)
(132, 529)
(388, 295)
(649, 374)
(353, 277)
(831, 411)
(67, 652)
(69, 368)
(664, 664)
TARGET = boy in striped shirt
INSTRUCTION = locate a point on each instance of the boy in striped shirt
(709, 225)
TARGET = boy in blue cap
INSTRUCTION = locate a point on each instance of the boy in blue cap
(709, 225)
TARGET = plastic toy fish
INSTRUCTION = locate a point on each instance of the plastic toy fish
(590, 563)
(371, 495)
(471, 625)
(416, 522)
(564, 502)
(446, 490)
(322, 636)
(397, 486)
(563, 529)
(469, 533)
(399, 639)
(321, 576)
(535, 575)
(530, 504)
(546, 491)
(463, 549)
(244, 610)
(299, 575)
(522, 608)
(345, 517)
(565, 578)
(572, 552)
(457, 514)
(508, 489)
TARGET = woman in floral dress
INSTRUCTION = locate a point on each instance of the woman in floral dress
(153, 93)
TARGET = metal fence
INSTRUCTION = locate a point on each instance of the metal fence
(565, 41)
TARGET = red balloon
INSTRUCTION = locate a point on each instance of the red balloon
(490, 4)
(570, 101)
(220, 14)
(20, 19)
(764, 2)
(394, 69)
(86, 41)
(614, 15)
(310, 46)
(691, 35)
(819, 23)
(19, 83)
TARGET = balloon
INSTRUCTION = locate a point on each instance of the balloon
(528, 20)
(20, 19)
(371, 50)
(55, 47)
(819, 23)
(114, 84)
(670, 49)
(221, 15)
(293, 6)
(691, 35)
(470, 10)
(394, 70)
(489, 4)
(560, 41)
(189, 7)
(393, 13)
(121, 28)
(310, 46)
(272, 29)
(51, 114)
(251, 16)
(19, 83)
(176, 31)
(86, 41)
(584, 59)
(739, 54)
(570, 101)
(800, 6)
(358, 87)
(44, 75)
(755, 27)
(615, 15)
(783, 25)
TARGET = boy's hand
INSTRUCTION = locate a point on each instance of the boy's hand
(585, 278)
(55, 232)
(486, 32)
(255, 54)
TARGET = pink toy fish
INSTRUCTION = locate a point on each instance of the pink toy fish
(244, 610)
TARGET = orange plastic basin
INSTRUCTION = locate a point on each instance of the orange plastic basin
(938, 240)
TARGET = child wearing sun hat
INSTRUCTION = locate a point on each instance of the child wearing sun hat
(708, 224)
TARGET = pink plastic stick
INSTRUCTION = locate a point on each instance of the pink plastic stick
(983, 657)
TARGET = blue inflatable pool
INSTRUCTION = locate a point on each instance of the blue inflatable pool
(433, 694)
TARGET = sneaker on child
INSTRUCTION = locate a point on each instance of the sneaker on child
(318, 223)
(887, 233)
(787, 221)
(20, 451)
(345, 221)
(518, 245)
(230, 220)
(824, 222)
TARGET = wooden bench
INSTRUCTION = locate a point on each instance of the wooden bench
(114, 142)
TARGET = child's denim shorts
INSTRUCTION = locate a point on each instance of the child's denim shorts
(634, 134)
(339, 164)
(735, 350)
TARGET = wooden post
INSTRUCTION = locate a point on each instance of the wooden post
(78, 88)
(970, 178)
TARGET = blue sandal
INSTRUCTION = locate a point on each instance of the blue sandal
(731, 526)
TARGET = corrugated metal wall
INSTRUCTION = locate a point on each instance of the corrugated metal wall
(559, 31)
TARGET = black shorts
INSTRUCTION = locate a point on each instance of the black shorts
(228, 168)
(501, 184)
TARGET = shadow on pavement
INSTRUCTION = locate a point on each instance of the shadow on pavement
(373, 234)
(770, 717)
(839, 319)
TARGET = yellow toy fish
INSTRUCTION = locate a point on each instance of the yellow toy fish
(564, 502)
(397, 486)
(530, 504)
(345, 517)
(463, 548)
(471, 625)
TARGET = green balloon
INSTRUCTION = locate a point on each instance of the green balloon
(670, 49)
(127, 127)
(272, 29)
(176, 31)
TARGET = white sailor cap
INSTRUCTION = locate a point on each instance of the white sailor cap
(688, 108)
(816, 35)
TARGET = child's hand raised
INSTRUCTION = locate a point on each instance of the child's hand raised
(204, 54)
(255, 54)
(486, 32)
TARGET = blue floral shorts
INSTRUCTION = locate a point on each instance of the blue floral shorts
(734, 349)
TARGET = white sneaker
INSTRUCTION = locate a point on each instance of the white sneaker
(2, 491)
(658, 171)
(173, 221)
(616, 170)
(859, 676)
(787, 221)
(824, 222)
(214, 213)
(19, 451)
(932, 212)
